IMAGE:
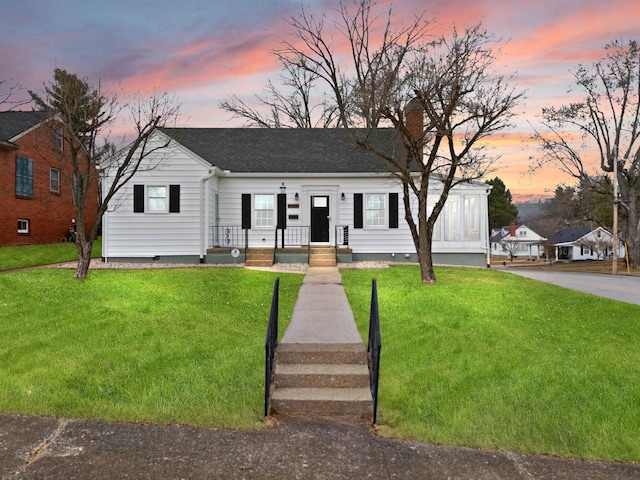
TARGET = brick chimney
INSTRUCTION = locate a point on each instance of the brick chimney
(415, 118)
(512, 229)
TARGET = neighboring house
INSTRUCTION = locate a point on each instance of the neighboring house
(36, 204)
(583, 243)
(516, 241)
(219, 188)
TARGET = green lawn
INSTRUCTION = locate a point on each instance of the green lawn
(163, 346)
(34, 255)
(491, 360)
(483, 359)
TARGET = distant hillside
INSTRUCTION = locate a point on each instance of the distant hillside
(531, 210)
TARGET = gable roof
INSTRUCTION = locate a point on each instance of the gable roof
(14, 123)
(285, 150)
(569, 235)
(503, 233)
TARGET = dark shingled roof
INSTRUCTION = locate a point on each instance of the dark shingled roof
(14, 123)
(285, 150)
(569, 235)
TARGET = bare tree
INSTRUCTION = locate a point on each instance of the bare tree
(362, 86)
(449, 83)
(511, 246)
(608, 122)
(293, 104)
(549, 251)
(8, 93)
(600, 246)
(80, 114)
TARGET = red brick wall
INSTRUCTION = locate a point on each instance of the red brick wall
(49, 213)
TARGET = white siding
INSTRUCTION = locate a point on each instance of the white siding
(146, 235)
(364, 240)
(129, 234)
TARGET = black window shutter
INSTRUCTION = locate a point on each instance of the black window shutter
(138, 198)
(282, 210)
(357, 210)
(246, 211)
(393, 210)
(174, 198)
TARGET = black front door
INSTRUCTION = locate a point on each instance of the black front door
(320, 218)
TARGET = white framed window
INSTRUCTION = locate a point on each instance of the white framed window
(157, 198)
(23, 225)
(375, 210)
(264, 210)
(54, 180)
(452, 218)
(437, 228)
(472, 217)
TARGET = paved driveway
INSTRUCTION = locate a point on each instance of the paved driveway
(618, 287)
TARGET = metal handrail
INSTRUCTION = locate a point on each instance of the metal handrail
(374, 346)
(341, 237)
(270, 346)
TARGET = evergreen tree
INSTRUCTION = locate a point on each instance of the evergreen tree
(502, 211)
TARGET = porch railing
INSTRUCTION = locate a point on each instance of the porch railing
(229, 236)
(374, 347)
(342, 236)
(292, 236)
(297, 236)
(270, 346)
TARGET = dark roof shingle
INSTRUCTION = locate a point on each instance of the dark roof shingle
(285, 150)
(14, 123)
(569, 235)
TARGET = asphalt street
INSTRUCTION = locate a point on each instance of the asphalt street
(624, 288)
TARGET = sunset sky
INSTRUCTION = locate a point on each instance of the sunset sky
(205, 50)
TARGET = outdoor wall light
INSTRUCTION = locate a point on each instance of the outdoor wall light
(297, 197)
(342, 196)
(283, 189)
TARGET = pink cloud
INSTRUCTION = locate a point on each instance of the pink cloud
(544, 40)
(205, 62)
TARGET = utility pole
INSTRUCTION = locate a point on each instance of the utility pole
(614, 266)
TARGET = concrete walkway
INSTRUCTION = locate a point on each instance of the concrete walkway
(321, 363)
(322, 313)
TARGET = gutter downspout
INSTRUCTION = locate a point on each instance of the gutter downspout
(105, 221)
(203, 180)
(488, 232)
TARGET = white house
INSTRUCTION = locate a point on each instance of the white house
(216, 189)
(583, 243)
(516, 241)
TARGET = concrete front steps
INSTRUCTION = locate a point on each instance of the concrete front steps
(259, 257)
(318, 257)
(321, 379)
(322, 257)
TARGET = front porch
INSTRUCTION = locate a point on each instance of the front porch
(266, 256)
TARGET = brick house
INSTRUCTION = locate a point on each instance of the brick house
(36, 204)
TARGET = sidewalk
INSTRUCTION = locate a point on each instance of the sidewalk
(296, 448)
(292, 448)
